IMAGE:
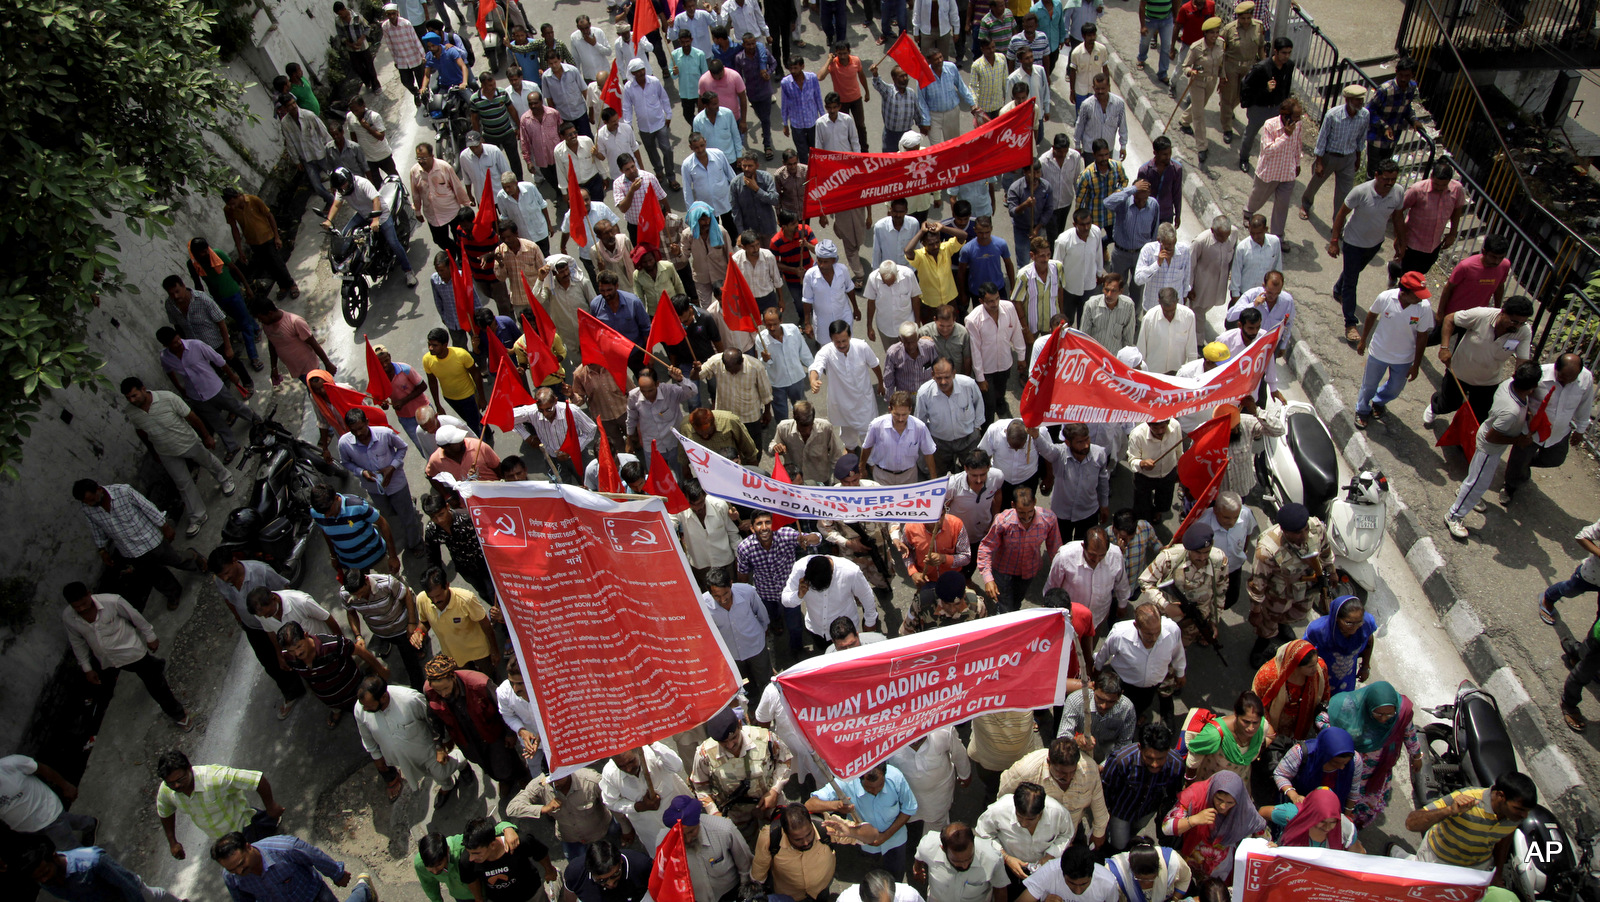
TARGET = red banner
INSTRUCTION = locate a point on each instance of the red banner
(1075, 380)
(604, 615)
(1273, 874)
(858, 707)
(840, 181)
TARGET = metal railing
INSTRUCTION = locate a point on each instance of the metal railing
(1508, 26)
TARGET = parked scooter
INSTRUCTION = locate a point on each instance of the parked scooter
(275, 526)
(1471, 747)
(1302, 466)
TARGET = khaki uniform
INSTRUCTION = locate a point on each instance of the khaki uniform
(1211, 63)
(1205, 586)
(737, 783)
(1244, 48)
(1281, 586)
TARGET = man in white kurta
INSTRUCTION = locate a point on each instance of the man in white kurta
(398, 734)
(933, 765)
(855, 380)
(621, 791)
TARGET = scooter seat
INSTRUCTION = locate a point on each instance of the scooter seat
(1316, 460)
(392, 192)
(1484, 736)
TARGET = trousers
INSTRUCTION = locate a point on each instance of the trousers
(288, 684)
(1342, 168)
(1344, 290)
(1393, 384)
(177, 466)
(214, 411)
(1281, 194)
(1480, 475)
(1520, 461)
(151, 671)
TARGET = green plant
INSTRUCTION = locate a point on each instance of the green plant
(103, 122)
(234, 27)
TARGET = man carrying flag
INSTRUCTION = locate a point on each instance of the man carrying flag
(1563, 405)
(559, 432)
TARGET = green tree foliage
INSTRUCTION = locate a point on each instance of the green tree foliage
(106, 103)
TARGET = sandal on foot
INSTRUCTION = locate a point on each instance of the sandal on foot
(1576, 722)
(1547, 613)
(1305, 214)
(334, 716)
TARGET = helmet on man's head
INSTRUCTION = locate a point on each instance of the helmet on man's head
(342, 180)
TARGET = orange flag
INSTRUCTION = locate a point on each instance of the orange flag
(541, 317)
(1207, 455)
(508, 395)
(645, 21)
(739, 308)
(669, 872)
(577, 220)
(599, 343)
(910, 59)
(466, 293)
(665, 327)
(611, 92)
(1202, 502)
(651, 220)
(1463, 431)
(781, 474)
(571, 445)
(377, 378)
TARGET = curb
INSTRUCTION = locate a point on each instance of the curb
(1552, 769)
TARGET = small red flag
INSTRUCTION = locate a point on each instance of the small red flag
(1202, 502)
(344, 399)
(466, 293)
(1540, 425)
(651, 220)
(496, 350)
(508, 395)
(910, 59)
(483, 224)
(659, 481)
(610, 477)
(542, 363)
(645, 21)
(1463, 431)
(485, 7)
(1207, 454)
(541, 317)
(739, 308)
(377, 379)
(611, 91)
(571, 445)
(577, 220)
(781, 474)
(599, 343)
(665, 327)
(1037, 393)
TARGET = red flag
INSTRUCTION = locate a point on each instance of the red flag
(665, 327)
(541, 317)
(610, 478)
(577, 221)
(781, 474)
(1036, 395)
(1463, 431)
(377, 379)
(651, 220)
(1202, 502)
(672, 9)
(1540, 425)
(910, 58)
(571, 445)
(659, 481)
(483, 224)
(1207, 454)
(645, 21)
(485, 7)
(466, 293)
(739, 308)
(508, 395)
(542, 363)
(345, 399)
(601, 344)
(611, 91)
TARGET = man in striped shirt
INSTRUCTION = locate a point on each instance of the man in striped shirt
(328, 665)
(495, 117)
(357, 535)
(1140, 782)
(214, 798)
(1472, 828)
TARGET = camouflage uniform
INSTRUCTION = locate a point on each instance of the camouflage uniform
(1204, 586)
(839, 532)
(1282, 586)
(764, 763)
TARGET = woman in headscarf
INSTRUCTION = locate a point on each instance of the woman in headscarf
(1378, 718)
(1213, 817)
(1315, 823)
(1149, 873)
(1292, 686)
(708, 252)
(1328, 761)
(1229, 743)
(1343, 638)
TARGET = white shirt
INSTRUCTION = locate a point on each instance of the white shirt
(116, 638)
(528, 421)
(519, 98)
(1234, 339)
(1232, 541)
(583, 162)
(837, 134)
(594, 60)
(473, 168)
(711, 542)
(1393, 339)
(790, 355)
(1061, 177)
(977, 883)
(373, 148)
(772, 709)
(743, 20)
(614, 144)
(975, 510)
(1569, 410)
(1252, 262)
(648, 108)
(1049, 881)
(922, 15)
(852, 400)
(26, 804)
(620, 790)
(932, 771)
(903, 891)
(518, 712)
(1087, 63)
(526, 210)
(622, 51)
(1124, 652)
(1154, 276)
(591, 472)
(823, 606)
(829, 300)
(298, 607)
(1144, 446)
(889, 243)
(994, 338)
(892, 304)
(1050, 837)
(895, 450)
(1018, 465)
(762, 275)
(743, 626)
(954, 416)
(1094, 589)
(1167, 344)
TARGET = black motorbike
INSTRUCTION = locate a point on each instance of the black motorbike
(359, 254)
(275, 526)
(451, 118)
(1470, 746)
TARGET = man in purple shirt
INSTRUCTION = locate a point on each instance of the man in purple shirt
(1165, 176)
(765, 558)
(202, 371)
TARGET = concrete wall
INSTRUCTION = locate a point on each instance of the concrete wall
(42, 535)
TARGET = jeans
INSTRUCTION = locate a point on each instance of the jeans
(391, 236)
(233, 305)
(1160, 30)
(1393, 385)
(658, 144)
(893, 860)
(835, 21)
(763, 111)
(1583, 673)
(897, 9)
(783, 396)
(1119, 833)
(1012, 589)
(1355, 260)
(1569, 588)
(316, 172)
(803, 139)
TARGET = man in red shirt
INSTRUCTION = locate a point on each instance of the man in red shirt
(1190, 16)
(1477, 281)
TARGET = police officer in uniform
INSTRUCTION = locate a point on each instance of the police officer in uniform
(1293, 559)
(743, 769)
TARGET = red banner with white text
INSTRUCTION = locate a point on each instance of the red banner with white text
(1078, 381)
(858, 707)
(604, 616)
(1263, 873)
(839, 180)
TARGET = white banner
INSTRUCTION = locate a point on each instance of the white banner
(728, 480)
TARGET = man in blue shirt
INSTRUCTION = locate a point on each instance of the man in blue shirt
(621, 310)
(283, 869)
(88, 874)
(357, 535)
(449, 62)
(1133, 226)
(985, 258)
(376, 455)
(882, 801)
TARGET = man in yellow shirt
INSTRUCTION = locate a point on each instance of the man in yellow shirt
(460, 620)
(932, 259)
(452, 372)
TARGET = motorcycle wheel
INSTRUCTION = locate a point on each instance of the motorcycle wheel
(354, 298)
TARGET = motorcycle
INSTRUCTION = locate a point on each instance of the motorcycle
(1302, 466)
(1470, 746)
(357, 250)
(275, 526)
(449, 115)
